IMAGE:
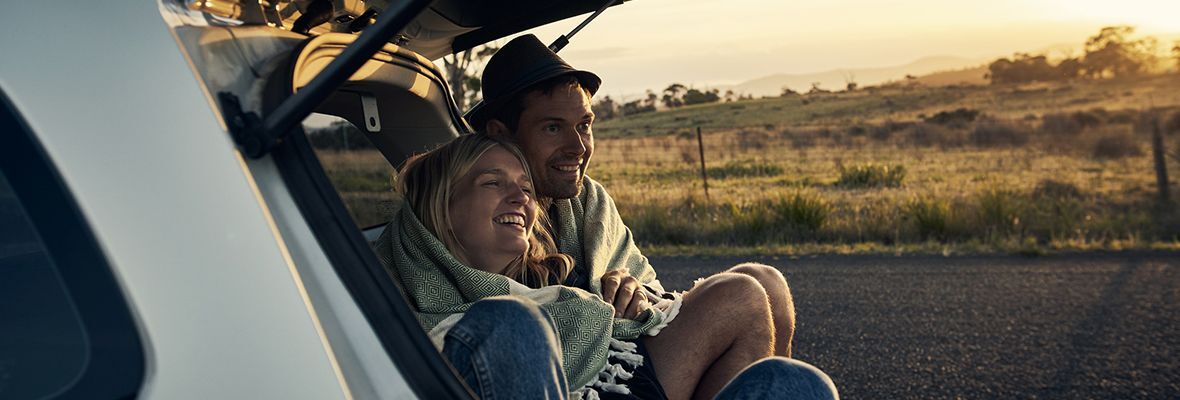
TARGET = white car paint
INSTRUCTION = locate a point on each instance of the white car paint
(232, 296)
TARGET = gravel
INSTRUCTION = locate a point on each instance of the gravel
(1103, 325)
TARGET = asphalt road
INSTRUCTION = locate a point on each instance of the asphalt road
(1076, 326)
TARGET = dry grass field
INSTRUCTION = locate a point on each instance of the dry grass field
(1025, 169)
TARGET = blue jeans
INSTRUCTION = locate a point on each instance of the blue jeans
(506, 348)
(779, 378)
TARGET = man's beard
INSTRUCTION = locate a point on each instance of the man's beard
(560, 189)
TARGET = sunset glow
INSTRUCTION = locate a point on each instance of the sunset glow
(646, 43)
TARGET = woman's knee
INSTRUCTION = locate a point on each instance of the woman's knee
(783, 377)
(519, 316)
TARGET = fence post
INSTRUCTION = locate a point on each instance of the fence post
(1161, 165)
(704, 175)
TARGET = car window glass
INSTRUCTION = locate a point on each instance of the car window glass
(358, 171)
(43, 347)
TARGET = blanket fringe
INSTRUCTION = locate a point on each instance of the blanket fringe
(670, 308)
(608, 378)
(585, 393)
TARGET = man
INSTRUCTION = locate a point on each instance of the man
(534, 98)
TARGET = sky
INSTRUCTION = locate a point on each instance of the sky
(645, 44)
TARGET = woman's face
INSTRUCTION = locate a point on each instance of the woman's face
(492, 211)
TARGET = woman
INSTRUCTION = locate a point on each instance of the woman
(469, 224)
(468, 231)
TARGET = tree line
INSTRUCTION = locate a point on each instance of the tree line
(1111, 53)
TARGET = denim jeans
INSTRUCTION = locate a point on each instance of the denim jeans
(780, 378)
(507, 348)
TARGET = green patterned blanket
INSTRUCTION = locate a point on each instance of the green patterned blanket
(442, 289)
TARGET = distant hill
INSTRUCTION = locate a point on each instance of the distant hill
(965, 76)
(904, 103)
(836, 79)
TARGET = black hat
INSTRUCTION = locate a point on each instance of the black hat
(519, 65)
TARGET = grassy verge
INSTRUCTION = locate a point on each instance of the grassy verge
(931, 247)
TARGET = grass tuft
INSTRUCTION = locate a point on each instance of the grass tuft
(871, 176)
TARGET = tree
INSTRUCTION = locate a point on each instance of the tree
(1070, 68)
(650, 100)
(465, 83)
(815, 89)
(604, 108)
(1112, 53)
(693, 96)
(1022, 68)
(636, 107)
(850, 84)
(1176, 54)
(672, 95)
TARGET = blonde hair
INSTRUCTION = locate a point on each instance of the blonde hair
(427, 182)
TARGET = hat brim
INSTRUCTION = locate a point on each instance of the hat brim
(479, 115)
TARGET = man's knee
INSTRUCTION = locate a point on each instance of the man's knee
(731, 287)
(733, 297)
(765, 274)
(784, 378)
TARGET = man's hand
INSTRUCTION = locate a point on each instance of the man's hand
(625, 293)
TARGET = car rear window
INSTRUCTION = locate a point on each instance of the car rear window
(65, 329)
(43, 346)
(360, 174)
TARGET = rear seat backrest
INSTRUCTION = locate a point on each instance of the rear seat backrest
(398, 98)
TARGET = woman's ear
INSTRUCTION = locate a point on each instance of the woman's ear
(497, 129)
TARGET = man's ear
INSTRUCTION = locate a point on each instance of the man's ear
(495, 128)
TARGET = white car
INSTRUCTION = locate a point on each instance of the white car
(166, 230)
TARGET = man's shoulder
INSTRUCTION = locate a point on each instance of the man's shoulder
(592, 191)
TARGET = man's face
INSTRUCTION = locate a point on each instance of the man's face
(554, 134)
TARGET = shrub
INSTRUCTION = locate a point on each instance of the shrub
(871, 175)
(991, 132)
(803, 139)
(1089, 119)
(930, 216)
(958, 118)
(1051, 189)
(747, 140)
(999, 211)
(1060, 124)
(667, 223)
(752, 224)
(1173, 123)
(924, 134)
(1122, 117)
(744, 168)
(798, 216)
(1116, 145)
(803, 214)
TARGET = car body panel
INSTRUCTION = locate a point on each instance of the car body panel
(158, 180)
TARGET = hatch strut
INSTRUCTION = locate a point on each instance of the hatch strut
(563, 40)
(257, 138)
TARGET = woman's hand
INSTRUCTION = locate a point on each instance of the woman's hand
(625, 293)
